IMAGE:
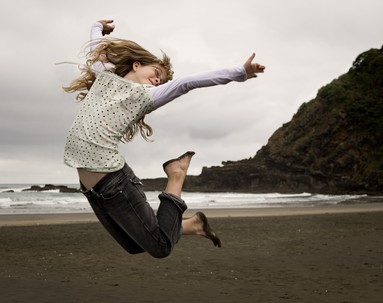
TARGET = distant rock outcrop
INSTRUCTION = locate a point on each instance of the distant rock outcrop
(332, 145)
(46, 187)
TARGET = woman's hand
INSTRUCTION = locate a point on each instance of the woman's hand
(253, 68)
(107, 26)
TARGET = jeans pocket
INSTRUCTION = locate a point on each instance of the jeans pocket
(112, 191)
(118, 206)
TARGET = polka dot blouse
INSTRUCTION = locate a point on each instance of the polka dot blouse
(106, 113)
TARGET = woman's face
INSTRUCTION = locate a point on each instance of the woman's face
(153, 74)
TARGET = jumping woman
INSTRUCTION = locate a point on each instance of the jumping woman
(120, 84)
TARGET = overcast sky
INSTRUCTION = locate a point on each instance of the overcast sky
(304, 45)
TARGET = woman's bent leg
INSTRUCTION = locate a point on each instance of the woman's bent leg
(130, 210)
(120, 204)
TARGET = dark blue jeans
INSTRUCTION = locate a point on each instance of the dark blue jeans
(121, 206)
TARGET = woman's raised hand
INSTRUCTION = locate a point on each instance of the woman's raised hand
(107, 26)
(252, 69)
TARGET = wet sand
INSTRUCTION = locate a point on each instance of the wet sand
(330, 254)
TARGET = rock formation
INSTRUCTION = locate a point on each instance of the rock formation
(332, 145)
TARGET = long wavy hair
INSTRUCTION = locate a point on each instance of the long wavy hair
(121, 54)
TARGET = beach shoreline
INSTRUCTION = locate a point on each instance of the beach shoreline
(73, 218)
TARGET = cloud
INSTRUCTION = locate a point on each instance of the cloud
(304, 45)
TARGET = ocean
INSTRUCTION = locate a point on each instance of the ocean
(13, 200)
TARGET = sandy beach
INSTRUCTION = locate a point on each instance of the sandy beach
(327, 254)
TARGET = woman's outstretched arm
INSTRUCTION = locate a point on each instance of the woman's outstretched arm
(171, 90)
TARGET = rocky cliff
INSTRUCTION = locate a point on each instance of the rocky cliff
(333, 144)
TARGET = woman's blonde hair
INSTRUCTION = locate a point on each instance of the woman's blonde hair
(122, 54)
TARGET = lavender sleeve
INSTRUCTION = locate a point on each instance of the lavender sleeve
(171, 90)
(96, 38)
